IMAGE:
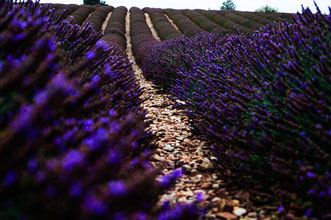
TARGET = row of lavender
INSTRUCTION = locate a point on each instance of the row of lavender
(141, 36)
(65, 9)
(189, 22)
(115, 29)
(98, 17)
(263, 101)
(73, 141)
(163, 27)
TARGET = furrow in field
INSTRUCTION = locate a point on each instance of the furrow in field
(150, 25)
(104, 25)
(177, 147)
(172, 23)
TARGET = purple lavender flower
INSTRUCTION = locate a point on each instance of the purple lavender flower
(117, 188)
(200, 196)
(90, 55)
(71, 159)
(167, 179)
(60, 82)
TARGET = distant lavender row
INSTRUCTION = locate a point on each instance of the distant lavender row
(162, 25)
(81, 14)
(185, 25)
(255, 17)
(115, 29)
(240, 20)
(97, 17)
(73, 137)
(226, 23)
(141, 36)
(205, 23)
(65, 9)
(271, 16)
(263, 100)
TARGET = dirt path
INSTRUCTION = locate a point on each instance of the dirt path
(104, 25)
(177, 146)
(150, 25)
(173, 24)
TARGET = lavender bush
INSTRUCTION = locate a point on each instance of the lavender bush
(65, 9)
(97, 17)
(240, 20)
(80, 15)
(141, 36)
(162, 25)
(226, 23)
(73, 137)
(184, 24)
(115, 29)
(263, 100)
(253, 16)
(205, 23)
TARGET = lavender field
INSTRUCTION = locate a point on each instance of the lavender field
(115, 113)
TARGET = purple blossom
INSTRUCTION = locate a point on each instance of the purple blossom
(60, 82)
(167, 179)
(71, 159)
(200, 196)
(117, 188)
(95, 80)
(90, 55)
(310, 175)
(41, 97)
(24, 119)
(280, 208)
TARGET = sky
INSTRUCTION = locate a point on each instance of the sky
(291, 6)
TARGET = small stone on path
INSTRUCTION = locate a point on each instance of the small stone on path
(226, 216)
(168, 148)
(239, 211)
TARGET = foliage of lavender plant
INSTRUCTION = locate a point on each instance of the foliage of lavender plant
(263, 100)
(73, 139)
